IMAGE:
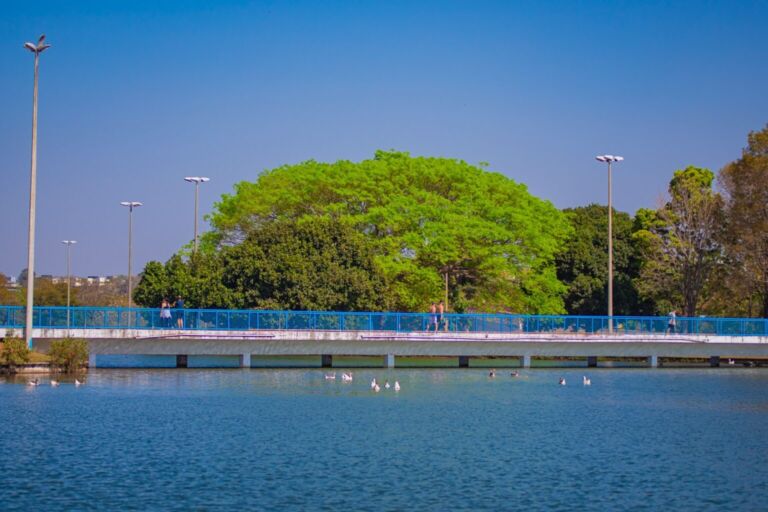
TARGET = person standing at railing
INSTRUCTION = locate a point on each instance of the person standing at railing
(179, 305)
(672, 323)
(165, 313)
(440, 316)
(432, 317)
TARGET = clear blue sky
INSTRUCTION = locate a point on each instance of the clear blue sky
(134, 95)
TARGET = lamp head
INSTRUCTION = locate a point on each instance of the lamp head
(196, 179)
(40, 47)
(609, 158)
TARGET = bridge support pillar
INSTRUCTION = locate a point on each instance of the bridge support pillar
(714, 361)
(591, 361)
(526, 361)
(653, 361)
(181, 361)
(463, 361)
(245, 361)
(91, 361)
(389, 361)
(326, 360)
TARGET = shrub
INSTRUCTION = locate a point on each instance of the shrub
(69, 354)
(15, 352)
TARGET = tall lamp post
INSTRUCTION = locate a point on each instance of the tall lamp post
(37, 49)
(197, 180)
(609, 159)
(69, 244)
(131, 205)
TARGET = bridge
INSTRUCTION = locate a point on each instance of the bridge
(391, 338)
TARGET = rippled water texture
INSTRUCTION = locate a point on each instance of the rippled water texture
(450, 440)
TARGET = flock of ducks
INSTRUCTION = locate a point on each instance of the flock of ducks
(584, 380)
(345, 377)
(375, 386)
(53, 382)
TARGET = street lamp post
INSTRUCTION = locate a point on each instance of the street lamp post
(197, 180)
(131, 205)
(69, 244)
(37, 49)
(609, 159)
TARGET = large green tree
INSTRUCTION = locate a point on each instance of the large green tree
(583, 264)
(681, 242)
(426, 219)
(745, 186)
(198, 279)
(314, 264)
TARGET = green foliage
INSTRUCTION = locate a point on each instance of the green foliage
(15, 351)
(198, 280)
(312, 265)
(68, 354)
(681, 242)
(318, 264)
(423, 218)
(583, 264)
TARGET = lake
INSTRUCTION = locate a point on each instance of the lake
(152, 439)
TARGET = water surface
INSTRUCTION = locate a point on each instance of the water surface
(450, 440)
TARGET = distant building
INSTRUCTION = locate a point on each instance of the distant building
(97, 280)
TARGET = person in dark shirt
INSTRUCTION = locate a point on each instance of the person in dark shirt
(179, 305)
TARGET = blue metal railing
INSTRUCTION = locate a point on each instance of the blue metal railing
(243, 320)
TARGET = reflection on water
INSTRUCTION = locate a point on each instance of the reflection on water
(450, 439)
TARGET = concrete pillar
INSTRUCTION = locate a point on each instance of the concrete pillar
(181, 361)
(389, 361)
(463, 361)
(245, 361)
(653, 361)
(714, 361)
(91, 361)
(526, 361)
(326, 361)
(592, 362)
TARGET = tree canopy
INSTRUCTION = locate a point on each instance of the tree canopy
(583, 264)
(682, 241)
(425, 219)
(745, 186)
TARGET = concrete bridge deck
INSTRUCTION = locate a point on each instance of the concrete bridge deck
(388, 345)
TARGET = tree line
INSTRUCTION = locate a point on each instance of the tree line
(397, 232)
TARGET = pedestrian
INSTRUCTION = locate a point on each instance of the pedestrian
(179, 305)
(672, 321)
(165, 313)
(432, 317)
(440, 312)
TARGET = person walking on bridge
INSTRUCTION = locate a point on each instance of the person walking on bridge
(671, 324)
